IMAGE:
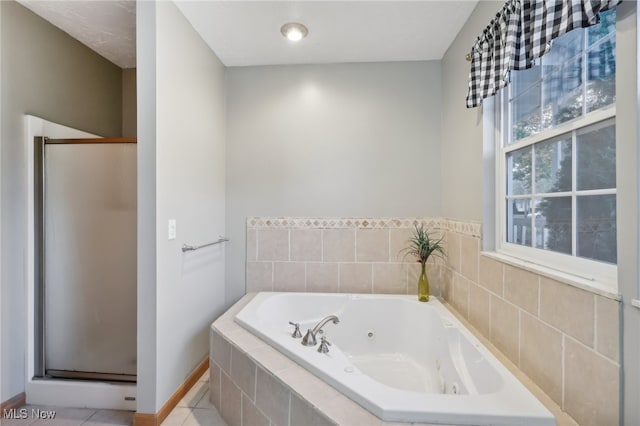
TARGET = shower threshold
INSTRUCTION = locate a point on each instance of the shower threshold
(84, 375)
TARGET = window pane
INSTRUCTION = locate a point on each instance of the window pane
(519, 221)
(601, 75)
(596, 227)
(563, 48)
(553, 224)
(519, 172)
(606, 26)
(553, 166)
(525, 103)
(562, 92)
(596, 151)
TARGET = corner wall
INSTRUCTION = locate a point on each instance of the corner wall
(46, 73)
(181, 176)
(330, 140)
(462, 127)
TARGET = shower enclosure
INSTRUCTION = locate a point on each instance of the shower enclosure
(85, 258)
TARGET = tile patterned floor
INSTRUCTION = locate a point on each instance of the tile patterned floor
(193, 410)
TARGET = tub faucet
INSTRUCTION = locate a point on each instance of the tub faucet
(310, 338)
(324, 345)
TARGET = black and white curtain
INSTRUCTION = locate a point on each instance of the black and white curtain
(520, 33)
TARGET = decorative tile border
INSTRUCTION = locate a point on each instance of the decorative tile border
(473, 229)
(467, 228)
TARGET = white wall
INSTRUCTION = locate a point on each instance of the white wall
(146, 128)
(182, 178)
(330, 140)
(462, 127)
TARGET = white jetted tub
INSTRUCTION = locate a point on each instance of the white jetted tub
(401, 359)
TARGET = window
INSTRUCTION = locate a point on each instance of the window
(557, 164)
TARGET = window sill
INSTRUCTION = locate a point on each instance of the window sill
(554, 274)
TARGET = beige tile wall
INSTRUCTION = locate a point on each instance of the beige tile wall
(564, 338)
(356, 255)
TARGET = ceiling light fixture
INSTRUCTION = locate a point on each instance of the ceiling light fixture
(294, 31)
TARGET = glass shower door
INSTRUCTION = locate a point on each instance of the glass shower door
(89, 259)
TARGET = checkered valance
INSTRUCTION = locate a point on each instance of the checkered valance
(520, 33)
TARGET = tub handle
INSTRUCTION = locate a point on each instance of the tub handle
(324, 345)
(296, 332)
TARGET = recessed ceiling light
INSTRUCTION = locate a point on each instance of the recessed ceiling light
(294, 31)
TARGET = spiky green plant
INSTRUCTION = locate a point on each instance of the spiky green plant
(422, 245)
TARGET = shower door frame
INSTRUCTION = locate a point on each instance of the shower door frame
(40, 370)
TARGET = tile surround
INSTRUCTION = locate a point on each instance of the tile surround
(321, 254)
(552, 331)
(338, 245)
(541, 355)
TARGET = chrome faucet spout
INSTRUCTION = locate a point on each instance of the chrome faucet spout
(321, 324)
(310, 338)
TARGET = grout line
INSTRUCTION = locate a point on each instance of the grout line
(406, 279)
(255, 383)
(273, 275)
(595, 323)
(539, 295)
(562, 387)
(305, 277)
(241, 404)
(478, 247)
(388, 245)
(519, 335)
(490, 310)
(355, 245)
(372, 279)
(371, 266)
(257, 246)
(502, 279)
(468, 299)
(593, 351)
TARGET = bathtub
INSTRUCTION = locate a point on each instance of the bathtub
(401, 359)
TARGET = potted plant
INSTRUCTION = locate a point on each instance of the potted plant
(422, 246)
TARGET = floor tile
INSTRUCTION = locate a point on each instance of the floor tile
(22, 416)
(110, 417)
(192, 397)
(61, 416)
(205, 402)
(203, 417)
(177, 416)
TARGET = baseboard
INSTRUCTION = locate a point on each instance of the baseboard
(16, 402)
(142, 419)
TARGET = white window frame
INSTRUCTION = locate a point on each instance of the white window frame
(592, 273)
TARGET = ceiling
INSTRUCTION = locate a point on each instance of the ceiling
(107, 27)
(245, 33)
